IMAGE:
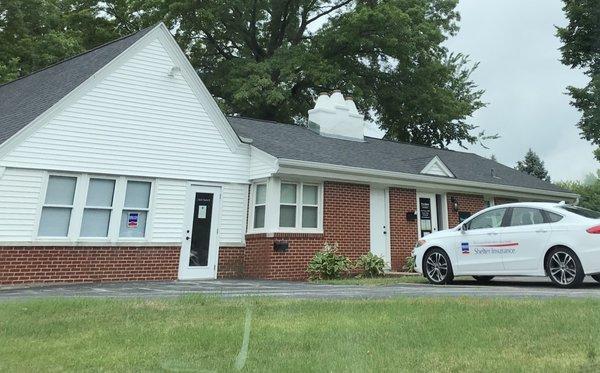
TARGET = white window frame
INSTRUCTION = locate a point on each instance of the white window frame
(273, 205)
(79, 204)
(253, 205)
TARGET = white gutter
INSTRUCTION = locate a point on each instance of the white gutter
(349, 173)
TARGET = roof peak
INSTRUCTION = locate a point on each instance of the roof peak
(144, 30)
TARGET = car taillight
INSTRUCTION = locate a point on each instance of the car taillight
(594, 230)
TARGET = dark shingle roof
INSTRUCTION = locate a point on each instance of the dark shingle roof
(300, 143)
(24, 99)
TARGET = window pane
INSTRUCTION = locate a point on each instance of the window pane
(309, 195)
(586, 213)
(133, 224)
(287, 216)
(54, 222)
(138, 194)
(288, 193)
(552, 217)
(309, 217)
(61, 190)
(100, 193)
(259, 217)
(490, 219)
(526, 216)
(95, 223)
(261, 194)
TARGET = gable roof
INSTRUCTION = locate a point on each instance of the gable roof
(286, 141)
(24, 99)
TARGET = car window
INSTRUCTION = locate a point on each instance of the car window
(553, 217)
(526, 216)
(490, 219)
(586, 213)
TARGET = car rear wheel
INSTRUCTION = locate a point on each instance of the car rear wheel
(483, 279)
(437, 267)
(596, 277)
(564, 268)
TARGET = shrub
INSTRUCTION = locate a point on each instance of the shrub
(410, 264)
(370, 265)
(327, 264)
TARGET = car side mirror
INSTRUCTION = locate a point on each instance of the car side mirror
(463, 228)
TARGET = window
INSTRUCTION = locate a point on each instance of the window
(58, 207)
(525, 216)
(102, 208)
(135, 210)
(260, 202)
(310, 206)
(489, 219)
(586, 213)
(98, 207)
(552, 217)
(287, 209)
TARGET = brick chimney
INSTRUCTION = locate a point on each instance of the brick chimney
(336, 116)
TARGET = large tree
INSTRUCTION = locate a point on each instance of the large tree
(581, 49)
(269, 59)
(533, 165)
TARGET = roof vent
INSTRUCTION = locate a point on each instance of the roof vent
(336, 116)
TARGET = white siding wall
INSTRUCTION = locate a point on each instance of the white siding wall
(261, 164)
(136, 121)
(19, 202)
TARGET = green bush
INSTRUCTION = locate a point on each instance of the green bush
(410, 264)
(370, 265)
(327, 264)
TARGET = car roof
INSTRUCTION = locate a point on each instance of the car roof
(538, 205)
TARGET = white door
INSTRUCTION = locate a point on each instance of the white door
(426, 213)
(380, 237)
(526, 237)
(479, 248)
(200, 247)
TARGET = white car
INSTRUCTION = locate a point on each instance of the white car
(557, 240)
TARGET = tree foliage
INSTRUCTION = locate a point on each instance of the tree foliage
(533, 165)
(588, 190)
(269, 59)
(581, 49)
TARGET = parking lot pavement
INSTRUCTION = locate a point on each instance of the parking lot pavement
(500, 287)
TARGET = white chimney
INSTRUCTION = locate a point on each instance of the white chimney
(336, 116)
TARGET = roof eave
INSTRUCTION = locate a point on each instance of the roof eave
(401, 179)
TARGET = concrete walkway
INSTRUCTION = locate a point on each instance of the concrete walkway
(501, 287)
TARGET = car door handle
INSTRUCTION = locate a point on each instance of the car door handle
(493, 233)
(541, 231)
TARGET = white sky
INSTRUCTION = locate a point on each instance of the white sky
(524, 80)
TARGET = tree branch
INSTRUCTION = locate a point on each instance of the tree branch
(329, 11)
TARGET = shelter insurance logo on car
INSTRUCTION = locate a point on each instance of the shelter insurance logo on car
(465, 248)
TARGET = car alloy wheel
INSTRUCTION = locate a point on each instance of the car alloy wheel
(596, 277)
(438, 269)
(564, 268)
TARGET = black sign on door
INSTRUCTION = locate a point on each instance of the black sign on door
(200, 245)
(425, 216)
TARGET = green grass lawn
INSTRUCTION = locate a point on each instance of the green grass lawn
(205, 334)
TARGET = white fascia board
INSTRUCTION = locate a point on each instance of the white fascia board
(206, 99)
(436, 161)
(401, 179)
(162, 33)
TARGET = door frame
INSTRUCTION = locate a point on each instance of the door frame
(184, 272)
(386, 219)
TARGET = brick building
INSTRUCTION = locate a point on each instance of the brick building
(117, 164)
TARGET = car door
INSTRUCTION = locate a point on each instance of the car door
(526, 236)
(476, 252)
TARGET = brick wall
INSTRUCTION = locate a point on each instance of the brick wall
(87, 264)
(346, 220)
(466, 202)
(231, 262)
(403, 233)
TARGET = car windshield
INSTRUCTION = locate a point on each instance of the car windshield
(586, 213)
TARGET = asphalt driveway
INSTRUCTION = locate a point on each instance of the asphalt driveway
(500, 287)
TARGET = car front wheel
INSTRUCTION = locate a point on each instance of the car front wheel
(563, 268)
(596, 277)
(437, 267)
